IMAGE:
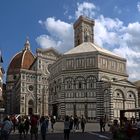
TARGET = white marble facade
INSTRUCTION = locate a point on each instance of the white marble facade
(87, 80)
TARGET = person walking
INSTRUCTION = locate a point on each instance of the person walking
(66, 128)
(7, 126)
(44, 127)
(101, 124)
(104, 123)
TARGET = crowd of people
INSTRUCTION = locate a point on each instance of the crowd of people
(34, 124)
(128, 130)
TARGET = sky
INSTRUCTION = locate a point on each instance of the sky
(49, 23)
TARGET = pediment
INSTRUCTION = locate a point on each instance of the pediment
(125, 82)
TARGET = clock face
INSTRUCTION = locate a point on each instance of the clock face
(31, 87)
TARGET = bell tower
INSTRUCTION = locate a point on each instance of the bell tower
(83, 30)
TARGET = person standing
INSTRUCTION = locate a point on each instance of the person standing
(26, 125)
(138, 129)
(83, 122)
(44, 127)
(14, 121)
(76, 122)
(34, 127)
(21, 128)
(101, 124)
(66, 128)
(52, 122)
(71, 123)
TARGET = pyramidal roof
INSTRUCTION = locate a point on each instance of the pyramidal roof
(89, 47)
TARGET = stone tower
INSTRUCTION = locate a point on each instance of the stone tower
(83, 30)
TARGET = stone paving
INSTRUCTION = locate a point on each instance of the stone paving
(90, 127)
(92, 132)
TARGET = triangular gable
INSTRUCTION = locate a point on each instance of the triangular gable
(125, 82)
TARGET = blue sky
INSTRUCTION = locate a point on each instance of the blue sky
(48, 23)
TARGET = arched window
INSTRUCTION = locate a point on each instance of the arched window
(91, 82)
(80, 83)
(68, 83)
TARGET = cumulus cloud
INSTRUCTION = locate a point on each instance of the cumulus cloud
(122, 40)
(86, 9)
(109, 33)
(106, 31)
(60, 34)
(46, 42)
(138, 6)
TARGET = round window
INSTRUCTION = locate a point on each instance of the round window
(31, 87)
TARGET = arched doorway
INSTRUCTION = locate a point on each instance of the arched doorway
(30, 107)
(55, 110)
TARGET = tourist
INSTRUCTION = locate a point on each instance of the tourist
(138, 129)
(44, 127)
(66, 128)
(14, 121)
(21, 128)
(52, 122)
(34, 127)
(76, 122)
(114, 128)
(7, 126)
(101, 123)
(71, 122)
(27, 125)
(83, 122)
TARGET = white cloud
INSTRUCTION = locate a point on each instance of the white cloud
(122, 40)
(138, 6)
(86, 9)
(61, 34)
(46, 42)
(109, 33)
(106, 31)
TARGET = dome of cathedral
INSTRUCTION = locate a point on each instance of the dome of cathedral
(22, 60)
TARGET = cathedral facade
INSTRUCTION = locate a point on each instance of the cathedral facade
(27, 81)
(87, 80)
